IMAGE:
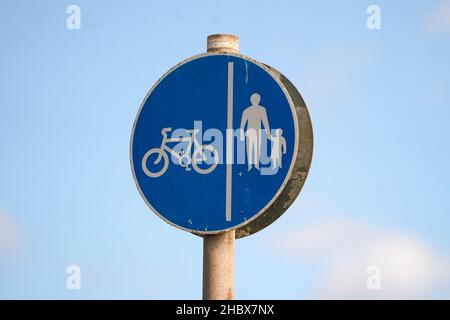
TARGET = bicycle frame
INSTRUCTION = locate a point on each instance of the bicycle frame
(192, 139)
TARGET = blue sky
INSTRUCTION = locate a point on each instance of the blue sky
(378, 190)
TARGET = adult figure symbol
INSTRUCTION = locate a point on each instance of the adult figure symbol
(253, 117)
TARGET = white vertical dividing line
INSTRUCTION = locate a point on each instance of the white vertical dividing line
(230, 149)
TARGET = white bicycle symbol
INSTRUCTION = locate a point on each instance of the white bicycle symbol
(184, 158)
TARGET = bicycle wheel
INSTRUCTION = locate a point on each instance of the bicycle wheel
(159, 152)
(201, 152)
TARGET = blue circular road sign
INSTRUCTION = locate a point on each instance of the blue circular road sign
(214, 143)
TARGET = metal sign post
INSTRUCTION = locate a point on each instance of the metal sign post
(218, 266)
(221, 147)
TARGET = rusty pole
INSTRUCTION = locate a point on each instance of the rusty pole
(218, 250)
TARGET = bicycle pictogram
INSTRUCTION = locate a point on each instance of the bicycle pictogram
(184, 157)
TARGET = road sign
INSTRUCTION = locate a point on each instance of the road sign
(215, 143)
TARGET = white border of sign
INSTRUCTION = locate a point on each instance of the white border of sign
(294, 154)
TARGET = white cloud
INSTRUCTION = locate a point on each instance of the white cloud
(438, 19)
(9, 235)
(409, 267)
